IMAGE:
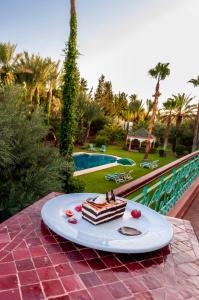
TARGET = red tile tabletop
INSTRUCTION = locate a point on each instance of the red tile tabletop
(35, 263)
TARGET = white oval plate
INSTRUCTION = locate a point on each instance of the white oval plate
(156, 231)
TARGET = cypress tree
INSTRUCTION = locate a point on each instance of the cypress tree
(70, 88)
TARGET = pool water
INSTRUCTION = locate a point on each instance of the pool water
(86, 161)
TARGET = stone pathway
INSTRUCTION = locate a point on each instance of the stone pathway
(193, 215)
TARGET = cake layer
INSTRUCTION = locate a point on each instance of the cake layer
(104, 220)
(102, 216)
(101, 210)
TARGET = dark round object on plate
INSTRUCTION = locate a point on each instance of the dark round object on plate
(129, 231)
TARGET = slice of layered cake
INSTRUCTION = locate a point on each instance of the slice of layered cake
(102, 209)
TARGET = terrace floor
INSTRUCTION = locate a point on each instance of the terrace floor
(193, 215)
(36, 264)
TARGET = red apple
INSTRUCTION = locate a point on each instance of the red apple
(136, 213)
(78, 208)
(69, 213)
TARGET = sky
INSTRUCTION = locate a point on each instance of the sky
(117, 38)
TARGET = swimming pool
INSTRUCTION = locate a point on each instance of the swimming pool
(85, 161)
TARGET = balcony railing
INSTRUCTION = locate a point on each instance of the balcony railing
(171, 181)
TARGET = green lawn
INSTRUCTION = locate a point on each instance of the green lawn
(95, 182)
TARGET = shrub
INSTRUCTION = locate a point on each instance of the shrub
(115, 134)
(180, 150)
(98, 124)
(29, 169)
(101, 140)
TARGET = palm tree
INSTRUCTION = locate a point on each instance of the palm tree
(92, 112)
(35, 72)
(136, 106)
(160, 72)
(8, 60)
(184, 110)
(168, 116)
(52, 79)
(195, 83)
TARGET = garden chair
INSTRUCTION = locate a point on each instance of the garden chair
(91, 147)
(103, 148)
(154, 164)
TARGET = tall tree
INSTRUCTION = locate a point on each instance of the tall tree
(160, 72)
(34, 71)
(195, 83)
(92, 112)
(70, 88)
(104, 96)
(184, 110)
(8, 59)
(168, 116)
(136, 106)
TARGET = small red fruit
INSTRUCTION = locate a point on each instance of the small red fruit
(136, 213)
(69, 213)
(72, 221)
(78, 208)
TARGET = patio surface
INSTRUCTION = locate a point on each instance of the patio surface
(193, 215)
(37, 264)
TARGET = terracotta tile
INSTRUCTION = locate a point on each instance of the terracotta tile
(67, 246)
(21, 254)
(80, 295)
(152, 282)
(21, 246)
(74, 256)
(46, 273)
(65, 297)
(159, 294)
(136, 285)
(111, 261)
(64, 270)
(144, 296)
(2, 245)
(80, 267)
(48, 239)
(8, 258)
(88, 253)
(58, 258)
(4, 238)
(96, 264)
(52, 288)
(107, 276)
(7, 268)
(125, 258)
(28, 277)
(32, 292)
(36, 251)
(8, 282)
(42, 261)
(136, 267)
(33, 242)
(72, 283)
(90, 279)
(118, 290)
(122, 272)
(100, 292)
(24, 265)
(10, 295)
(52, 248)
